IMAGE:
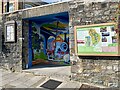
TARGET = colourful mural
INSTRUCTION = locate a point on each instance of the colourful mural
(50, 43)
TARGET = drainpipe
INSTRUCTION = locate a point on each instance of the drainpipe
(2, 6)
(7, 6)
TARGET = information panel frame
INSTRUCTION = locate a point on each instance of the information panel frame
(97, 40)
(10, 32)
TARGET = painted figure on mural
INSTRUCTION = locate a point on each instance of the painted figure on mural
(50, 48)
(51, 42)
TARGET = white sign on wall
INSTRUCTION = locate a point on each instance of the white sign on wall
(10, 31)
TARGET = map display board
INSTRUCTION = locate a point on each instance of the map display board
(99, 39)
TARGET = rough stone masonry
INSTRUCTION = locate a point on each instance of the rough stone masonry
(12, 52)
(97, 70)
(14, 56)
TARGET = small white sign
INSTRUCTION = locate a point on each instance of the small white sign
(10, 34)
(10, 31)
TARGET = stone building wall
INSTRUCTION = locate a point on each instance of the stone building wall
(0, 35)
(12, 52)
(14, 2)
(15, 55)
(25, 43)
(0, 26)
(95, 70)
(0, 9)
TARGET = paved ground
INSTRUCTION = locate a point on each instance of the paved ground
(61, 72)
(35, 77)
(20, 80)
(29, 80)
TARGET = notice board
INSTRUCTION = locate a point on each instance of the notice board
(97, 39)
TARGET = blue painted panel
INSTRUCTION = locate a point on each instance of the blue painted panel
(30, 46)
(63, 17)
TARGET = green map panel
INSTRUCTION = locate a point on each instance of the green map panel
(90, 50)
(114, 44)
(85, 49)
(98, 53)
